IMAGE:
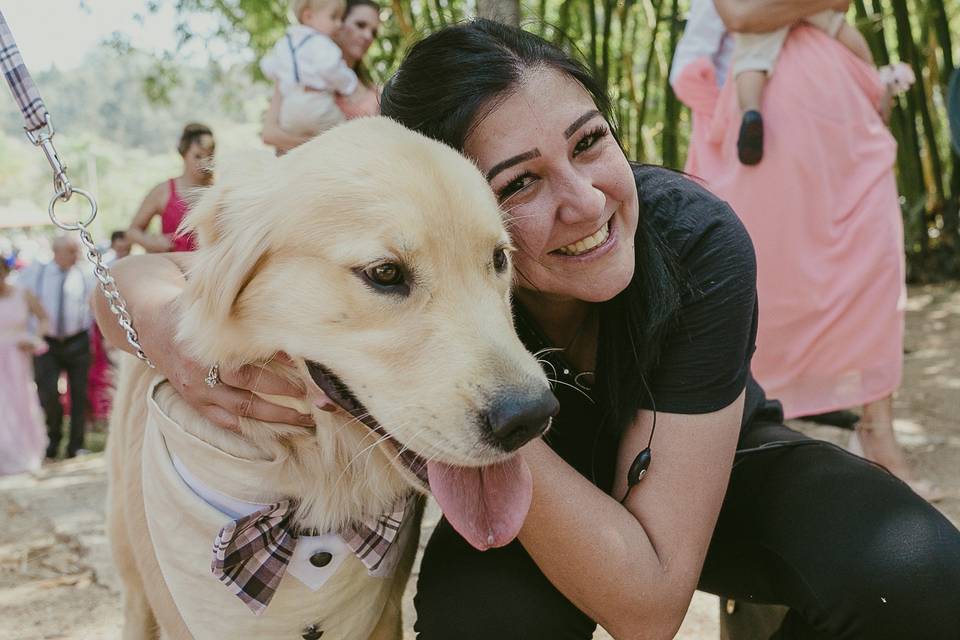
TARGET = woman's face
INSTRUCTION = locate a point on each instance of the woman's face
(567, 188)
(358, 32)
(197, 162)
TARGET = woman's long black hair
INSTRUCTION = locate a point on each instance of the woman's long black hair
(445, 86)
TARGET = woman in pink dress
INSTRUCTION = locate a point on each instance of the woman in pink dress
(23, 436)
(361, 21)
(167, 198)
(824, 214)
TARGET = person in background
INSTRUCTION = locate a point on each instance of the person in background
(63, 289)
(120, 246)
(361, 22)
(166, 200)
(822, 209)
(308, 69)
(22, 437)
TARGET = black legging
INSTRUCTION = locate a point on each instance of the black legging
(848, 547)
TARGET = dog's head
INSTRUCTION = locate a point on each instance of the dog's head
(378, 259)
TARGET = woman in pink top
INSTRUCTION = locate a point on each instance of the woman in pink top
(361, 21)
(167, 198)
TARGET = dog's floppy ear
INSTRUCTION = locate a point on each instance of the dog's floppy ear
(232, 220)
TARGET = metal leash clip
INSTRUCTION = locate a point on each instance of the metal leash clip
(64, 190)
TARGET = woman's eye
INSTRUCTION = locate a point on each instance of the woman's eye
(500, 260)
(386, 274)
(520, 182)
(589, 139)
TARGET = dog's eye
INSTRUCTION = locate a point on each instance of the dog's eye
(385, 274)
(500, 259)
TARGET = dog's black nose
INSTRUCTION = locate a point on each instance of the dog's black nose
(515, 418)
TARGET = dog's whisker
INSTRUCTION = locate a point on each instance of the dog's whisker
(545, 351)
(547, 363)
(356, 456)
(572, 386)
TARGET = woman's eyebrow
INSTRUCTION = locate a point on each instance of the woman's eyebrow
(509, 162)
(535, 153)
(572, 129)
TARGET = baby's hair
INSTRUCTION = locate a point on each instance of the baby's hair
(195, 133)
(299, 6)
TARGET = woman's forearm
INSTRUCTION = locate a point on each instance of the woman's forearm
(272, 134)
(149, 284)
(612, 571)
(759, 16)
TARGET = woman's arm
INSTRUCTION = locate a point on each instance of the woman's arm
(272, 134)
(151, 206)
(633, 568)
(151, 286)
(760, 16)
(38, 312)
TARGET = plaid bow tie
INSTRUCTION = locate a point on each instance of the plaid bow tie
(251, 554)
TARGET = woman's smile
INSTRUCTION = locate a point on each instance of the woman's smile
(596, 245)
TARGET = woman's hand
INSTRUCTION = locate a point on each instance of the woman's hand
(151, 284)
(235, 396)
(29, 346)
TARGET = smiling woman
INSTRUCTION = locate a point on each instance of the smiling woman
(641, 276)
(637, 288)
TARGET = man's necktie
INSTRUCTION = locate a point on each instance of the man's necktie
(61, 321)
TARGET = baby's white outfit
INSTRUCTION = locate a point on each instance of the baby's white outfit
(309, 69)
(759, 51)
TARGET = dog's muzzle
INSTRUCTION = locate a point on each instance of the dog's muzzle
(340, 393)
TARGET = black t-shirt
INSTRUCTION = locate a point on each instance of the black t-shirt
(704, 362)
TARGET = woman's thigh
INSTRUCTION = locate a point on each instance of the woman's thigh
(848, 547)
(498, 594)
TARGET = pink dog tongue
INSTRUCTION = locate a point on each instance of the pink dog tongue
(485, 505)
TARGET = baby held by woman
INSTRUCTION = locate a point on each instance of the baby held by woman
(754, 57)
(309, 70)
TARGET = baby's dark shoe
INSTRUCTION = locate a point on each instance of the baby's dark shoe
(750, 142)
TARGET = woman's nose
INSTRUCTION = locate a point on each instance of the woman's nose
(579, 200)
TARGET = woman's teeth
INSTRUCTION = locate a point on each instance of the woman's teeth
(588, 243)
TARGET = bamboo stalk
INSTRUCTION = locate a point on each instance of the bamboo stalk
(912, 167)
(671, 106)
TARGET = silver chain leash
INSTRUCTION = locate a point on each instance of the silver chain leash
(64, 190)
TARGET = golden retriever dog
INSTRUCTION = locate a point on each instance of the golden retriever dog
(378, 260)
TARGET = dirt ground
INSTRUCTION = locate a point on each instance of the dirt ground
(57, 582)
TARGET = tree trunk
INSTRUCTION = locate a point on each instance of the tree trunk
(505, 11)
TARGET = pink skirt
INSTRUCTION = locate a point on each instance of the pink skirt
(823, 211)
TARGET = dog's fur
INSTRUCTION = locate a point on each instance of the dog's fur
(283, 246)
